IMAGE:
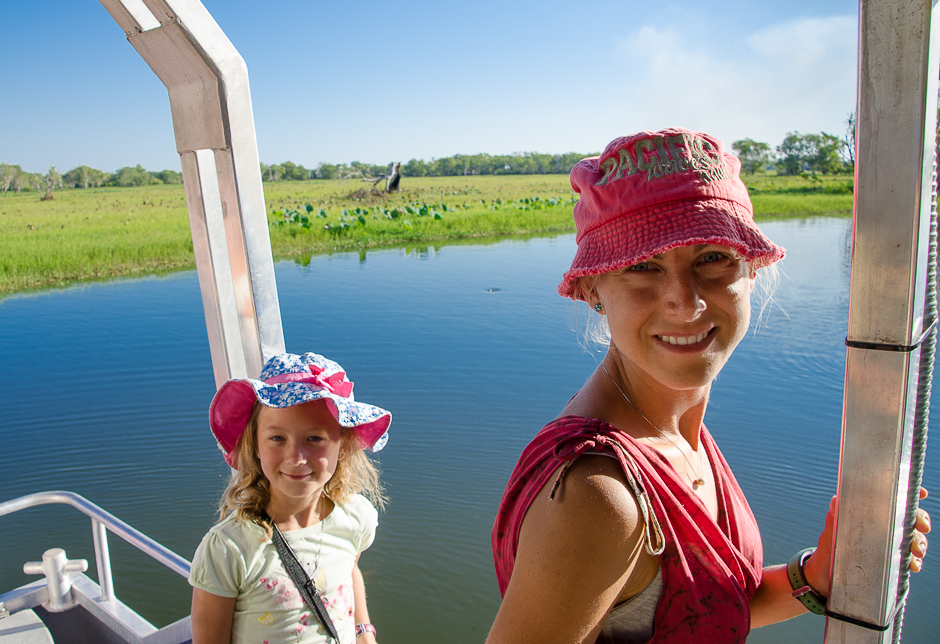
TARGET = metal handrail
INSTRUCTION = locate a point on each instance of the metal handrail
(101, 522)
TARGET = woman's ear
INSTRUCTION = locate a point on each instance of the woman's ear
(586, 288)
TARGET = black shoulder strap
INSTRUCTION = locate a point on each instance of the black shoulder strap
(305, 586)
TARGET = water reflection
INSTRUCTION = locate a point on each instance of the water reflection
(106, 386)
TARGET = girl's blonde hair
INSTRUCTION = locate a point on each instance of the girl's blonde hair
(248, 493)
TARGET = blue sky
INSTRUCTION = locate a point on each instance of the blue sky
(390, 81)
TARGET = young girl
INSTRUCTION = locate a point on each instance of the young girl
(296, 439)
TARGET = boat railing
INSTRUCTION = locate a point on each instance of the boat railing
(101, 522)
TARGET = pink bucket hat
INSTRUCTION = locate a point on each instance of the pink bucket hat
(654, 191)
(287, 380)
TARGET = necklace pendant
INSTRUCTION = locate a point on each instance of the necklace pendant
(697, 483)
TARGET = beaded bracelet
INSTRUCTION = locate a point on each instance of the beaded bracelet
(815, 602)
(365, 628)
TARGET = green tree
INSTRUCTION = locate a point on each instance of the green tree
(363, 170)
(415, 168)
(8, 174)
(326, 171)
(128, 176)
(52, 180)
(84, 176)
(169, 177)
(270, 172)
(73, 178)
(811, 153)
(293, 172)
(826, 158)
(794, 153)
(754, 155)
(21, 181)
(35, 181)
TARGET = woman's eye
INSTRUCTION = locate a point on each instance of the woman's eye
(709, 258)
(639, 268)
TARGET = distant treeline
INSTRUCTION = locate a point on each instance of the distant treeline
(457, 165)
(798, 154)
(13, 178)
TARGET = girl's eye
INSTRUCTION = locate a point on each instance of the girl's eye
(314, 439)
(276, 439)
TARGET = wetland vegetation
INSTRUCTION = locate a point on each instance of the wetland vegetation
(105, 232)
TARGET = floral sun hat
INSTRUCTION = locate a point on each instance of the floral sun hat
(287, 380)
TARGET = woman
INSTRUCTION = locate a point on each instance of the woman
(651, 539)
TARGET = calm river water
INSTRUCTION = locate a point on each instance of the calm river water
(105, 390)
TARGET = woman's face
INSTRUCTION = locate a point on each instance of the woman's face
(678, 316)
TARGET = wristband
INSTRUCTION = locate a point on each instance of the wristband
(365, 628)
(815, 602)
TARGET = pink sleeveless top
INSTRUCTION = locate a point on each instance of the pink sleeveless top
(710, 570)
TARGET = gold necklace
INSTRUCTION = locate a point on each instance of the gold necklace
(699, 479)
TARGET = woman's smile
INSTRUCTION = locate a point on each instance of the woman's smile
(678, 315)
(685, 340)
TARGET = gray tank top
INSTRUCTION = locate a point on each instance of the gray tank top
(632, 621)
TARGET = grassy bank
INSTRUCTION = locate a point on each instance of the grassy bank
(109, 232)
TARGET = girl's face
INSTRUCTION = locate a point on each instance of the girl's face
(677, 317)
(298, 448)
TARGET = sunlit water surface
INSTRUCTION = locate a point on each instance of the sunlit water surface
(105, 390)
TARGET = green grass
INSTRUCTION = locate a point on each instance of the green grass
(91, 234)
(110, 232)
(800, 195)
(428, 209)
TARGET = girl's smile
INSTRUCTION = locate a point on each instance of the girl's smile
(298, 448)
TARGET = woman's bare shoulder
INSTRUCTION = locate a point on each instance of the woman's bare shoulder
(593, 489)
(576, 554)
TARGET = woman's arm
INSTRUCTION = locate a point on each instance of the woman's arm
(576, 556)
(212, 618)
(774, 601)
(361, 611)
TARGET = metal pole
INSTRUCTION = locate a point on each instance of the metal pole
(99, 534)
(210, 100)
(896, 121)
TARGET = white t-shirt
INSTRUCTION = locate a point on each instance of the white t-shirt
(233, 560)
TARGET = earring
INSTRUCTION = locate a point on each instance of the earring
(342, 455)
(598, 307)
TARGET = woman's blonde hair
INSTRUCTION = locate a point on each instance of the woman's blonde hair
(249, 492)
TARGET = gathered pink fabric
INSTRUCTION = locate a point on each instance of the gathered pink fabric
(710, 569)
(335, 383)
(653, 191)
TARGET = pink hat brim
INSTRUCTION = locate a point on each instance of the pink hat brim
(637, 236)
(232, 405)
